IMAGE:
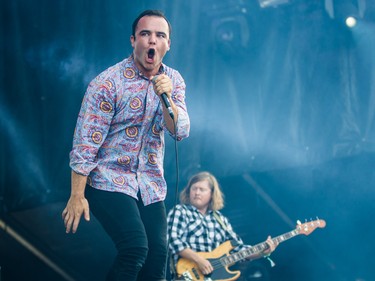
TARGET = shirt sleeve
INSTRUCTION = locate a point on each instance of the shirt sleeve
(177, 225)
(92, 126)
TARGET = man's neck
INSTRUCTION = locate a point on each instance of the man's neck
(203, 211)
(145, 72)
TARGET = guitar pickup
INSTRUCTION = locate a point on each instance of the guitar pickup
(196, 274)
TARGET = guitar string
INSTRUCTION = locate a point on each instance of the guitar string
(218, 263)
(260, 247)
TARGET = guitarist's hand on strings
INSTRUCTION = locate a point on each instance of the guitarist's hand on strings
(271, 246)
(204, 266)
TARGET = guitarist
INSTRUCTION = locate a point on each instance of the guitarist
(196, 225)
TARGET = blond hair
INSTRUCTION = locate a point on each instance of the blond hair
(217, 196)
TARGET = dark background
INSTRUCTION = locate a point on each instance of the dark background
(282, 104)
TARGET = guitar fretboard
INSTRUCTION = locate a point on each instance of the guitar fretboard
(256, 249)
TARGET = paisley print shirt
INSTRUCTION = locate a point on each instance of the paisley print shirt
(119, 137)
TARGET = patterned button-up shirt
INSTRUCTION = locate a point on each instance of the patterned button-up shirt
(119, 137)
(188, 228)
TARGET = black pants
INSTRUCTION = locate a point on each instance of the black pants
(139, 233)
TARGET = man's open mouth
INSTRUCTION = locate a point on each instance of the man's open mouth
(151, 53)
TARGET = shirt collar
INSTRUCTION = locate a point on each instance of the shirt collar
(193, 208)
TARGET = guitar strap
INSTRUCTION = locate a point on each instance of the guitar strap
(218, 218)
(225, 227)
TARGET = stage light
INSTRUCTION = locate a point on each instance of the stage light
(230, 29)
(231, 33)
(351, 21)
(347, 12)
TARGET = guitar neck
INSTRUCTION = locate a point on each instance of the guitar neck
(256, 249)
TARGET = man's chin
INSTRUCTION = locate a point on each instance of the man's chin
(150, 67)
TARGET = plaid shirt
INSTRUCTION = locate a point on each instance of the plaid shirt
(188, 228)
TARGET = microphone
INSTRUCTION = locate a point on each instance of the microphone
(164, 97)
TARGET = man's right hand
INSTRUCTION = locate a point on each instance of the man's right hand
(204, 266)
(76, 206)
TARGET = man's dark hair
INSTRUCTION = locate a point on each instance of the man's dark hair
(156, 13)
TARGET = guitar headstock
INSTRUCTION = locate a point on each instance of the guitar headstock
(308, 227)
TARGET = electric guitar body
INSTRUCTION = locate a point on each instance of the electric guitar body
(191, 272)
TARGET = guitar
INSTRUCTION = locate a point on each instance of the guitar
(221, 259)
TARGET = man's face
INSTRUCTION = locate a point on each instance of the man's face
(150, 44)
(200, 195)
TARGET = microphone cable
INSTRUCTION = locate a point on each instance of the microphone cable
(172, 270)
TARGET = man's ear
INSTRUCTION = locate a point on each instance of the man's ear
(132, 40)
(169, 44)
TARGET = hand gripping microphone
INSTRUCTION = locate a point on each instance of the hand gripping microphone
(164, 97)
